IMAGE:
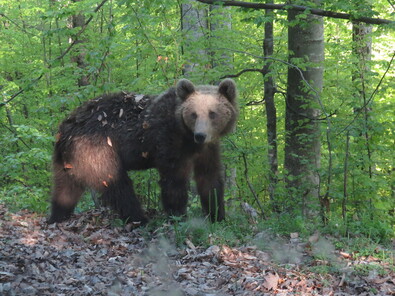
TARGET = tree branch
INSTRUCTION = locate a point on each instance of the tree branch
(371, 96)
(80, 31)
(57, 58)
(17, 25)
(241, 72)
(21, 90)
(315, 11)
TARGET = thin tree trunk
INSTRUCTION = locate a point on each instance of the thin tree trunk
(77, 21)
(302, 142)
(271, 121)
(345, 178)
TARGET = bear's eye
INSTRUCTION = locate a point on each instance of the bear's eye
(212, 114)
(193, 115)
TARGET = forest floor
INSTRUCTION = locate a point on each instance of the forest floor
(88, 256)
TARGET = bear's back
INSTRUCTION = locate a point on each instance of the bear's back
(105, 114)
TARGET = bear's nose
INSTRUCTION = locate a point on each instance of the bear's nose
(199, 138)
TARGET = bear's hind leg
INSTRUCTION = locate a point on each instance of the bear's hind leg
(66, 194)
(119, 194)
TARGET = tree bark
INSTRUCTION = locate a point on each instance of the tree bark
(194, 25)
(302, 142)
(271, 116)
(362, 51)
(78, 21)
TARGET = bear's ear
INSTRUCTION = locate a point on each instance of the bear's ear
(184, 88)
(227, 88)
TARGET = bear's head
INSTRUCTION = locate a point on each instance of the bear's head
(209, 112)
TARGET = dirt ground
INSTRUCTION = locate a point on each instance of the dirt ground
(88, 256)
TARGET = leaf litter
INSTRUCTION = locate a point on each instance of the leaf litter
(87, 255)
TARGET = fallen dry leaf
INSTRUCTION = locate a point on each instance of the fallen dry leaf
(271, 280)
(138, 98)
(345, 255)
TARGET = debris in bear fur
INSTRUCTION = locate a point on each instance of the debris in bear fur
(177, 132)
(123, 107)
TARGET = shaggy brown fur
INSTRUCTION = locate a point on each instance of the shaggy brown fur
(176, 132)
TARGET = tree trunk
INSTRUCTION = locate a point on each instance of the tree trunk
(194, 25)
(362, 51)
(302, 142)
(271, 116)
(220, 21)
(78, 21)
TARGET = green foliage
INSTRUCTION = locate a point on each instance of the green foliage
(373, 226)
(286, 223)
(24, 172)
(235, 230)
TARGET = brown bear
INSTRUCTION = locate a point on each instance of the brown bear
(176, 132)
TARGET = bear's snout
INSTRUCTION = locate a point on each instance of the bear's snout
(199, 138)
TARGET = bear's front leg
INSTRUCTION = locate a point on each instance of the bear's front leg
(210, 183)
(174, 189)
